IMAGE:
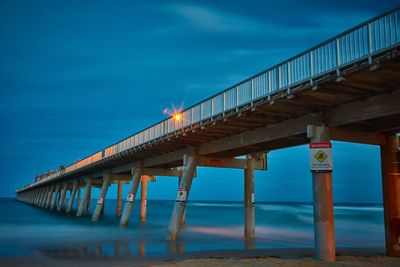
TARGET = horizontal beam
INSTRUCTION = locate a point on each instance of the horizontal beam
(261, 135)
(367, 109)
(260, 163)
(353, 136)
(161, 172)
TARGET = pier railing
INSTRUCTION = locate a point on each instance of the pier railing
(353, 46)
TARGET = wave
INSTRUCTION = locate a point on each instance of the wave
(262, 232)
(285, 208)
(199, 204)
(355, 208)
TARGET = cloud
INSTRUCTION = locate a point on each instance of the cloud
(213, 20)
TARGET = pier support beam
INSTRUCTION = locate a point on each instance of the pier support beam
(390, 165)
(126, 214)
(89, 201)
(48, 201)
(44, 196)
(78, 198)
(72, 196)
(249, 214)
(324, 231)
(40, 196)
(183, 223)
(54, 201)
(33, 195)
(101, 199)
(119, 199)
(62, 196)
(85, 199)
(143, 199)
(189, 167)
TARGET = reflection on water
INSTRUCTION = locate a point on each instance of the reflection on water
(28, 230)
(108, 249)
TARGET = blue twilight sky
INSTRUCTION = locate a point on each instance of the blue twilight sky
(76, 76)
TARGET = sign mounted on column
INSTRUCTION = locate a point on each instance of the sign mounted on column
(182, 195)
(321, 156)
(130, 197)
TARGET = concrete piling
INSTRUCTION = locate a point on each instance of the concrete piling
(40, 196)
(390, 166)
(126, 214)
(143, 199)
(62, 196)
(189, 167)
(183, 222)
(119, 199)
(72, 197)
(48, 201)
(101, 199)
(89, 201)
(44, 196)
(78, 198)
(324, 231)
(85, 199)
(249, 213)
(54, 200)
(48, 191)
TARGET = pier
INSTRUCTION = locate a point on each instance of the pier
(344, 89)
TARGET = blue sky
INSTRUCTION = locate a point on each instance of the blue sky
(77, 76)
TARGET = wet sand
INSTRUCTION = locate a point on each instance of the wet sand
(270, 257)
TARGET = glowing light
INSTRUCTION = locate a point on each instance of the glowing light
(175, 113)
(178, 116)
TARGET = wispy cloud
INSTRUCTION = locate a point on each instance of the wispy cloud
(211, 19)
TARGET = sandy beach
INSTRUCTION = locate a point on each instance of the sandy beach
(272, 257)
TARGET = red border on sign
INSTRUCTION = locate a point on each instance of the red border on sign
(321, 145)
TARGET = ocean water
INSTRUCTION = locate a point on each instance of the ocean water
(26, 230)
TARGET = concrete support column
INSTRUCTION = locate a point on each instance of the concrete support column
(89, 201)
(85, 198)
(78, 198)
(40, 195)
(189, 167)
(249, 211)
(72, 196)
(324, 230)
(100, 200)
(33, 195)
(54, 201)
(40, 198)
(183, 223)
(35, 192)
(45, 197)
(62, 196)
(390, 165)
(48, 201)
(126, 214)
(119, 199)
(143, 199)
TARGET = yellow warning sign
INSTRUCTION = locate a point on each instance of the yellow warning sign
(321, 156)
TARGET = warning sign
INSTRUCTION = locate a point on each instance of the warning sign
(321, 156)
(100, 200)
(130, 197)
(182, 195)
